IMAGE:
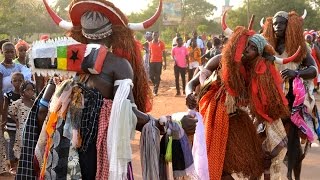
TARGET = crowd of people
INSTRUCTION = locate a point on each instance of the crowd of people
(187, 53)
(253, 93)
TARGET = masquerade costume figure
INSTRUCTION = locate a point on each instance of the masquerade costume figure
(284, 31)
(232, 97)
(90, 112)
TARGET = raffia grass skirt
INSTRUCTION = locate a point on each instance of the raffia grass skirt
(244, 154)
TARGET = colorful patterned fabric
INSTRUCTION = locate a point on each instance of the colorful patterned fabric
(3, 163)
(21, 111)
(63, 159)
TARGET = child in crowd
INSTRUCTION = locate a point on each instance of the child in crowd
(21, 49)
(9, 123)
(19, 111)
(7, 67)
(194, 58)
(180, 55)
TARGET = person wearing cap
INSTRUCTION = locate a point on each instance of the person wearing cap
(111, 104)
(284, 31)
(233, 84)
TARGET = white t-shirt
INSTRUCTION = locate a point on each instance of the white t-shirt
(199, 43)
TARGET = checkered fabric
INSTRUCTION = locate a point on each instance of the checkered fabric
(102, 157)
(30, 137)
(90, 116)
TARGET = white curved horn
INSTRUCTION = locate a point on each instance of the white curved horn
(304, 14)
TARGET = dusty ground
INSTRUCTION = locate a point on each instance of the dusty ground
(167, 103)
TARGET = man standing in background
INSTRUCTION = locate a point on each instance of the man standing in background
(157, 57)
(199, 42)
(174, 40)
(179, 55)
(146, 55)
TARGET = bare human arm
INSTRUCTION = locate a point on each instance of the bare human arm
(212, 65)
(309, 72)
(188, 122)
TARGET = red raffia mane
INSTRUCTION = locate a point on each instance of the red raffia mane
(256, 83)
(294, 35)
(123, 45)
(267, 101)
(233, 73)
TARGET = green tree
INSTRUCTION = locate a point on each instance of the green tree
(202, 28)
(258, 8)
(194, 13)
(25, 17)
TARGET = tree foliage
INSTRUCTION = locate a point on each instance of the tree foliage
(262, 8)
(25, 17)
(21, 18)
(194, 16)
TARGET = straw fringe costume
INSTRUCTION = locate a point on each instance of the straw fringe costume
(231, 103)
(293, 39)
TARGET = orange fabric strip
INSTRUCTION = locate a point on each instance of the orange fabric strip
(216, 121)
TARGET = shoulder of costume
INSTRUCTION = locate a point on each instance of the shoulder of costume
(66, 56)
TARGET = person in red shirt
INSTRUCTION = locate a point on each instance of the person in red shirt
(157, 57)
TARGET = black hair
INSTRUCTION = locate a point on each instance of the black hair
(7, 44)
(179, 38)
(17, 74)
(2, 42)
(216, 42)
(24, 85)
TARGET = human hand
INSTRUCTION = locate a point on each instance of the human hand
(268, 56)
(191, 101)
(288, 74)
(189, 124)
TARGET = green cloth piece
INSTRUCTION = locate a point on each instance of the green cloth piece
(168, 155)
(62, 51)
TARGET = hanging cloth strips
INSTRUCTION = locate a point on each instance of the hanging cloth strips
(121, 130)
(182, 160)
(150, 151)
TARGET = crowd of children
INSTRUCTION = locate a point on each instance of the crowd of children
(16, 98)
